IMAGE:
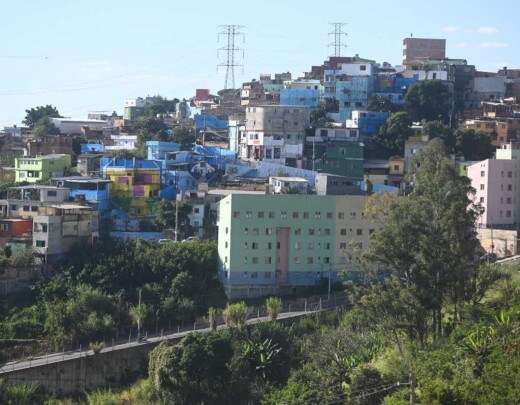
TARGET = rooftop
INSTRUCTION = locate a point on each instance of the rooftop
(81, 179)
(290, 179)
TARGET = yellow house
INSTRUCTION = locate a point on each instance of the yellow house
(135, 183)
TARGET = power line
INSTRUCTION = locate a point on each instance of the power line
(338, 35)
(231, 32)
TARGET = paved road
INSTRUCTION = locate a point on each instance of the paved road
(65, 356)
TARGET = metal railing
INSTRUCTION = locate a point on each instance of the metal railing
(255, 314)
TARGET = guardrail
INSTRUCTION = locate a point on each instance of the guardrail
(255, 314)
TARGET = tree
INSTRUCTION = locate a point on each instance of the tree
(44, 127)
(436, 129)
(429, 100)
(185, 137)
(427, 244)
(380, 103)
(34, 115)
(273, 306)
(474, 145)
(235, 315)
(165, 218)
(393, 134)
(213, 314)
(193, 372)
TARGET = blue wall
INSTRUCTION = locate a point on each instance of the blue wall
(300, 97)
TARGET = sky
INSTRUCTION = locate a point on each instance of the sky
(83, 55)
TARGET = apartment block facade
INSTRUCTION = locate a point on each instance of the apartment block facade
(275, 133)
(41, 168)
(270, 242)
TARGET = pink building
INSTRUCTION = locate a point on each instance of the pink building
(495, 182)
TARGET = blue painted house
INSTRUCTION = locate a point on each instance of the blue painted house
(300, 97)
(94, 191)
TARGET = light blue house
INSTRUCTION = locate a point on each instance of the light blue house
(94, 191)
(158, 150)
(300, 97)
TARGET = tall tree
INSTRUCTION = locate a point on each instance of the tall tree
(394, 133)
(427, 243)
(437, 129)
(45, 127)
(35, 114)
(429, 100)
(380, 103)
(474, 145)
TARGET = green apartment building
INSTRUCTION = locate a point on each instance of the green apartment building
(269, 242)
(41, 168)
(343, 158)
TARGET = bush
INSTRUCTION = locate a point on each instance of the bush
(235, 315)
(273, 306)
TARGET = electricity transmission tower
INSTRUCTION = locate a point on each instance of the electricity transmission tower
(338, 35)
(231, 32)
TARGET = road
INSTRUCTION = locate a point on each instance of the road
(71, 355)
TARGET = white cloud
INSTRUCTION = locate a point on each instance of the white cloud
(487, 30)
(494, 45)
(451, 29)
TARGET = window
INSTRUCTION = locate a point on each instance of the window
(225, 259)
(26, 208)
(482, 174)
(509, 187)
(482, 200)
(245, 261)
(343, 232)
(268, 231)
(305, 215)
(269, 246)
(52, 193)
(296, 260)
(509, 174)
(327, 246)
(297, 245)
(283, 215)
(14, 207)
(295, 215)
(343, 245)
(482, 186)
(362, 68)
(255, 232)
(260, 214)
(326, 260)
(246, 231)
(271, 214)
(298, 231)
(508, 214)
(341, 215)
(268, 260)
(254, 245)
(227, 230)
(249, 214)
(310, 246)
(508, 200)
(39, 227)
(246, 245)
(267, 274)
(40, 243)
(311, 231)
(359, 232)
(226, 244)
(254, 260)
(326, 231)
(371, 231)
(196, 210)
(329, 215)
(310, 260)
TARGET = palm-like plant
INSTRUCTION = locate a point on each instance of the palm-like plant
(213, 314)
(273, 306)
(235, 315)
(138, 314)
(261, 355)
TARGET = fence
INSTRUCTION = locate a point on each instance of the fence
(255, 314)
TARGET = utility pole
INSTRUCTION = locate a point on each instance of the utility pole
(230, 49)
(338, 34)
(176, 219)
(139, 317)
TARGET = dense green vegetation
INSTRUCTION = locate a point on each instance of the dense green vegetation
(439, 328)
(92, 297)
